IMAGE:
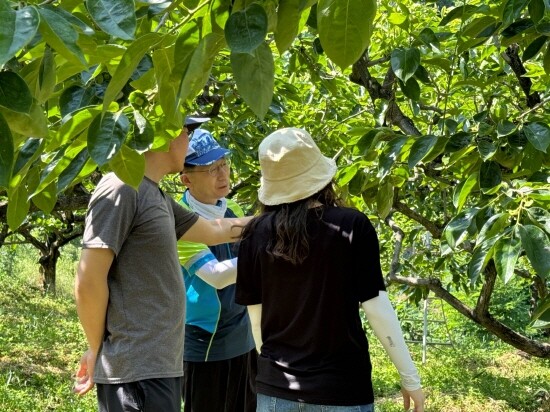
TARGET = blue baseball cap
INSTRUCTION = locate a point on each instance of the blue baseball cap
(204, 149)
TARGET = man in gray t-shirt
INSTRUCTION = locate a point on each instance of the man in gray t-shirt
(129, 287)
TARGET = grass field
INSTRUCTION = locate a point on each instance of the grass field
(41, 343)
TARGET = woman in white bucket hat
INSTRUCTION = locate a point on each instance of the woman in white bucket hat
(305, 265)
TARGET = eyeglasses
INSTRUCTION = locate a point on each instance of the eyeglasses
(215, 170)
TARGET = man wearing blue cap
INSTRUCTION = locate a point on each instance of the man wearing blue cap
(129, 288)
(219, 355)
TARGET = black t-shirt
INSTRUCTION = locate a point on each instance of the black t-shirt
(314, 347)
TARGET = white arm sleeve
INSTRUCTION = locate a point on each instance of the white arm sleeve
(255, 314)
(219, 274)
(386, 327)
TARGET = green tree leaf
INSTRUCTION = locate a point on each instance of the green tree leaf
(130, 60)
(537, 247)
(246, 29)
(76, 97)
(68, 174)
(481, 256)
(17, 29)
(411, 89)
(512, 10)
(200, 65)
(167, 91)
(546, 60)
(14, 93)
(384, 198)
(463, 190)
(507, 250)
(143, 135)
(129, 166)
(390, 155)
(46, 76)
(29, 152)
(404, 62)
(538, 134)
(254, 76)
(115, 17)
(106, 135)
(534, 48)
(6, 153)
(289, 14)
(542, 312)
(490, 175)
(45, 200)
(61, 36)
(186, 43)
(345, 28)
(457, 229)
(27, 124)
(493, 226)
(420, 148)
(18, 206)
(537, 9)
(540, 217)
(457, 13)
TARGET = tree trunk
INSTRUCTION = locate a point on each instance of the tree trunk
(48, 269)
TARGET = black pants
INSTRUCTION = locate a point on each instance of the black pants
(150, 395)
(220, 386)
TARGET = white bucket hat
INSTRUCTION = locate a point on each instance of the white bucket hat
(293, 167)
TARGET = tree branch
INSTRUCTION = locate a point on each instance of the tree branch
(511, 56)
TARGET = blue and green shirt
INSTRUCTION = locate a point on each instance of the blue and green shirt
(216, 328)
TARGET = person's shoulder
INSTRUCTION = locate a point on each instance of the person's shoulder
(111, 185)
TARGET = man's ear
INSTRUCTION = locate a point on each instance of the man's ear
(184, 178)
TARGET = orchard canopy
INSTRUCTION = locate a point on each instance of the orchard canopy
(436, 111)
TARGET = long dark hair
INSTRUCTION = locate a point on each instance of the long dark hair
(290, 240)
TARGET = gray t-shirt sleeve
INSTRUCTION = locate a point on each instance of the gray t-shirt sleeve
(110, 215)
(184, 218)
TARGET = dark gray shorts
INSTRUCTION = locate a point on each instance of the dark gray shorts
(150, 395)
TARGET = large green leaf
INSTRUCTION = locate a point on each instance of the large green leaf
(411, 89)
(76, 97)
(390, 155)
(115, 17)
(6, 153)
(457, 229)
(537, 9)
(534, 48)
(130, 60)
(18, 206)
(17, 29)
(129, 166)
(384, 198)
(27, 124)
(46, 76)
(512, 10)
(246, 29)
(29, 152)
(506, 253)
(493, 226)
(200, 65)
(186, 43)
(14, 93)
(404, 62)
(289, 14)
(420, 148)
(463, 189)
(546, 60)
(490, 176)
(542, 313)
(45, 200)
(537, 247)
(167, 91)
(143, 135)
(61, 36)
(67, 176)
(73, 125)
(481, 256)
(345, 28)
(106, 135)
(540, 217)
(457, 13)
(538, 134)
(254, 76)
